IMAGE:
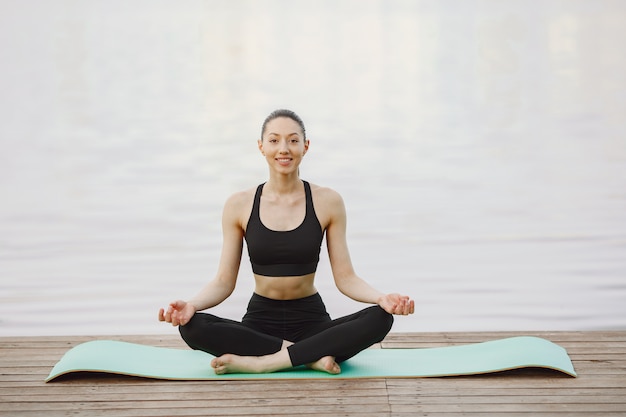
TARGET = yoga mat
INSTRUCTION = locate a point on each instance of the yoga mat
(185, 364)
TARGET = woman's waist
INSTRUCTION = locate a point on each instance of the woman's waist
(309, 308)
(285, 288)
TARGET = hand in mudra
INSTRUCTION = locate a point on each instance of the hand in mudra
(178, 313)
(397, 304)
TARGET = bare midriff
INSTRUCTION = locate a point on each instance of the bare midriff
(285, 288)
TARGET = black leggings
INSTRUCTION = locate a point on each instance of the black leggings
(304, 322)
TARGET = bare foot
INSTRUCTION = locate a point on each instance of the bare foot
(231, 364)
(326, 364)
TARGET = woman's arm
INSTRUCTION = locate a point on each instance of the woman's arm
(223, 284)
(346, 279)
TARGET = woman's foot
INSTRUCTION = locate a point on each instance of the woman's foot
(232, 364)
(326, 364)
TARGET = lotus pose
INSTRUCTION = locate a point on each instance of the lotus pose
(283, 222)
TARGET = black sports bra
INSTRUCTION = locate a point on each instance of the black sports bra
(289, 253)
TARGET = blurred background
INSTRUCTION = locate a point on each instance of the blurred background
(480, 148)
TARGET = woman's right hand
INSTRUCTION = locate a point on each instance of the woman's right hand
(179, 312)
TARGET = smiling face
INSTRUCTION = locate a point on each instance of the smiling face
(283, 144)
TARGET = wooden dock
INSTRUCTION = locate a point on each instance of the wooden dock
(598, 357)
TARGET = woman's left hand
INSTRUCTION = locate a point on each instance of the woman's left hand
(397, 304)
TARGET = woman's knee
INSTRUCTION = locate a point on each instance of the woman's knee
(195, 332)
(380, 320)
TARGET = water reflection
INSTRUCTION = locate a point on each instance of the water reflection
(479, 147)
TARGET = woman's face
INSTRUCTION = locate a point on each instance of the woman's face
(283, 144)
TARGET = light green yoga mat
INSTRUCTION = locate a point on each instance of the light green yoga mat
(185, 364)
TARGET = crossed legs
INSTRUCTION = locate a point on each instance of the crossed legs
(240, 348)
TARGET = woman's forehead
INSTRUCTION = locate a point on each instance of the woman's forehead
(283, 125)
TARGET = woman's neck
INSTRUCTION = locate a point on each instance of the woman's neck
(279, 184)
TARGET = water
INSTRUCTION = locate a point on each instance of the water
(479, 146)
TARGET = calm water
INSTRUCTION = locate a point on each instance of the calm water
(480, 147)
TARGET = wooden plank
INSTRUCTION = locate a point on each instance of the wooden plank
(434, 398)
(515, 381)
(104, 383)
(413, 413)
(203, 412)
(513, 391)
(499, 413)
(241, 407)
(570, 409)
(35, 396)
(293, 402)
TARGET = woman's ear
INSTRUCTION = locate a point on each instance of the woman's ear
(260, 144)
(306, 145)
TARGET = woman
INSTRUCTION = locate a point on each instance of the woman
(283, 222)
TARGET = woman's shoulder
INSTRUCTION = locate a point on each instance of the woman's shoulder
(239, 205)
(324, 192)
(326, 198)
(241, 198)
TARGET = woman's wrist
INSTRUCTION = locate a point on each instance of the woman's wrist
(380, 298)
(194, 304)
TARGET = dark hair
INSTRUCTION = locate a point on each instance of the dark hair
(283, 113)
